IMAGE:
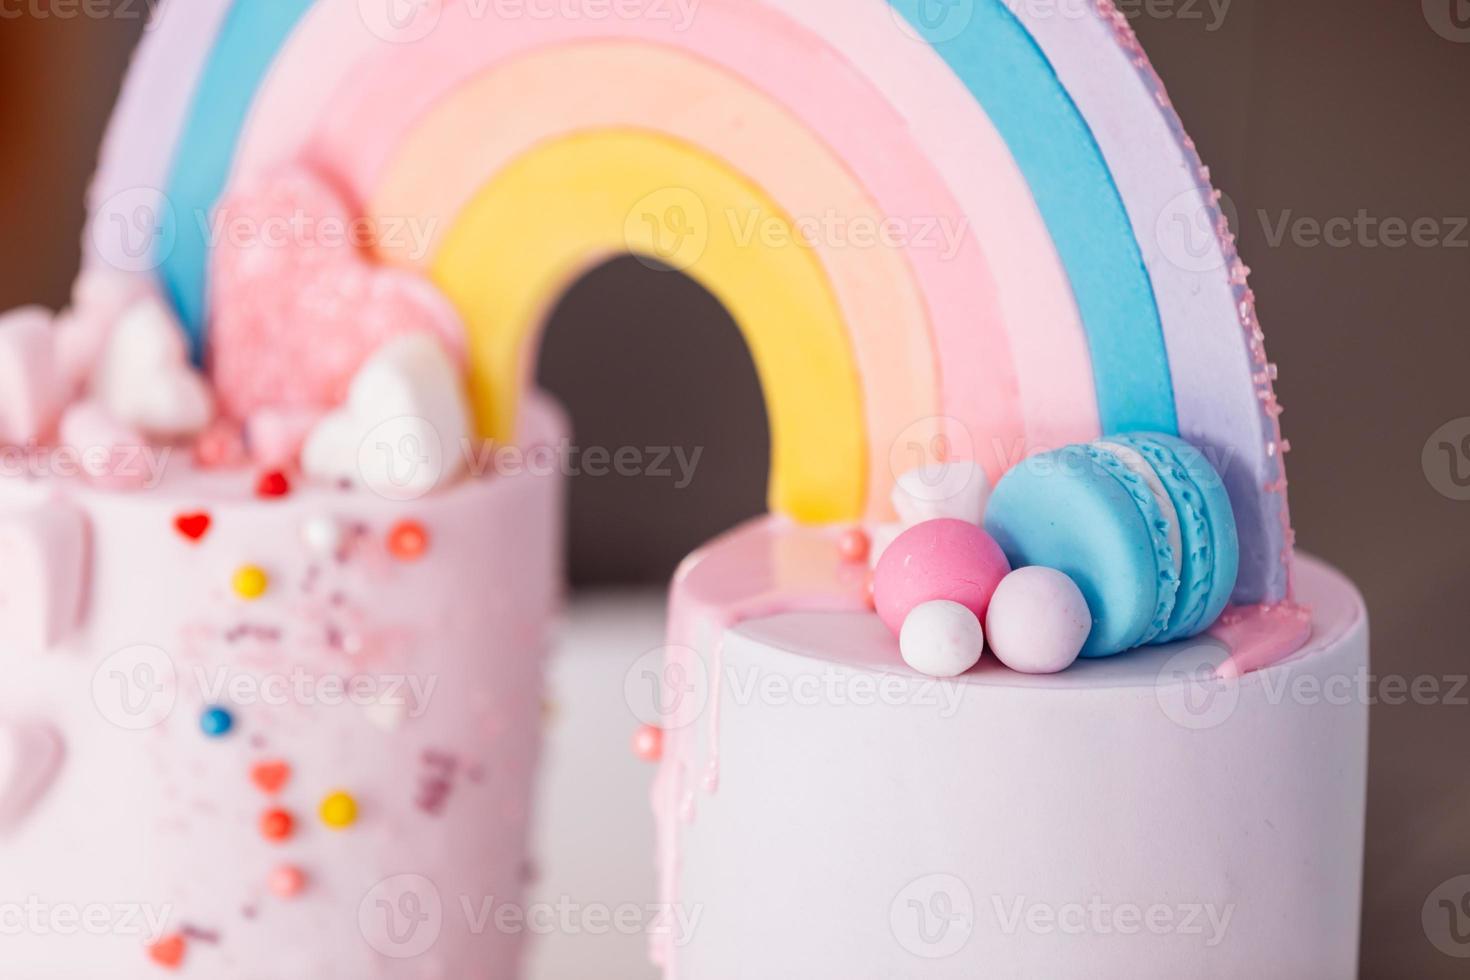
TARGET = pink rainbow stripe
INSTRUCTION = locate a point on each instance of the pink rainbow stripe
(1037, 319)
(438, 171)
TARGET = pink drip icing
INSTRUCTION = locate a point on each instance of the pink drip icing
(1266, 372)
(766, 567)
(1259, 636)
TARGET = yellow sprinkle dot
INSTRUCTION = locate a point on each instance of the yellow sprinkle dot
(339, 810)
(250, 582)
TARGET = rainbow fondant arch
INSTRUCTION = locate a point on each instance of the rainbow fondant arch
(1025, 169)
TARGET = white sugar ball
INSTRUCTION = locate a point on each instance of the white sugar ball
(323, 535)
(941, 639)
(1038, 621)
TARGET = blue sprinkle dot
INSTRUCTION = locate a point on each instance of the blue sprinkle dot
(216, 722)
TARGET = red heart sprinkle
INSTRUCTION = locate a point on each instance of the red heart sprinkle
(168, 951)
(270, 776)
(192, 526)
(273, 484)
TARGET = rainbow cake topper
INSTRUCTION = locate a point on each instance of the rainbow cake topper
(1045, 262)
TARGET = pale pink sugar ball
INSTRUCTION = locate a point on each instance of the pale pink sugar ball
(1038, 621)
(941, 559)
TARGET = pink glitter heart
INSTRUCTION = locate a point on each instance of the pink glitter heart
(298, 304)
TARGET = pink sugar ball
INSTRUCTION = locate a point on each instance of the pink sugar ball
(1038, 621)
(941, 559)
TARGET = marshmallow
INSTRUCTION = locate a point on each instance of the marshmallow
(42, 571)
(144, 378)
(30, 757)
(957, 489)
(403, 430)
(29, 395)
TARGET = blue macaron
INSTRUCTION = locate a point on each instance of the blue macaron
(1141, 523)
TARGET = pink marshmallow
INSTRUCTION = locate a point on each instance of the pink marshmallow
(942, 559)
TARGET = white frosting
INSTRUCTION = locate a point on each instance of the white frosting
(1140, 466)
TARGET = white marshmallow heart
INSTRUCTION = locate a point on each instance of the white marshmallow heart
(29, 395)
(404, 427)
(144, 378)
(958, 489)
(42, 573)
(112, 455)
(30, 757)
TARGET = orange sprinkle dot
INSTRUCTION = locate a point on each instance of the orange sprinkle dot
(277, 825)
(168, 951)
(408, 541)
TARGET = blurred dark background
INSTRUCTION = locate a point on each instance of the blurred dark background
(1307, 110)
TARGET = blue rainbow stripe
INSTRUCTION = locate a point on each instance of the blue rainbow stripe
(1001, 64)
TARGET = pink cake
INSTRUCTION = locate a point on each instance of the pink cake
(1020, 676)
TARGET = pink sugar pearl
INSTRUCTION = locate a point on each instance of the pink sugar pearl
(941, 559)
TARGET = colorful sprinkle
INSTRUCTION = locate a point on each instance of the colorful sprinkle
(192, 526)
(287, 881)
(272, 483)
(648, 743)
(408, 541)
(853, 545)
(216, 722)
(277, 825)
(270, 776)
(323, 536)
(168, 951)
(250, 582)
(339, 810)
